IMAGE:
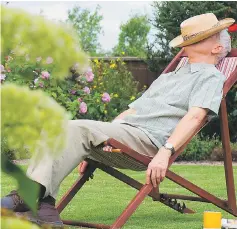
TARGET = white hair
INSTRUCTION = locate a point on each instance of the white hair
(225, 41)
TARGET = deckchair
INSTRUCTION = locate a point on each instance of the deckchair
(228, 66)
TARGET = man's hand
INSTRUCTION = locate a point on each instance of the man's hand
(82, 167)
(158, 166)
(125, 113)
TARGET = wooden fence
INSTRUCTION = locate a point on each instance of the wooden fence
(137, 67)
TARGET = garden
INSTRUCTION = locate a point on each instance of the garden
(40, 94)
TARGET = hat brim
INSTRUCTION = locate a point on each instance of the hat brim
(179, 41)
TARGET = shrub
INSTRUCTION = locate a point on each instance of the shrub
(198, 149)
(99, 93)
(218, 153)
(201, 148)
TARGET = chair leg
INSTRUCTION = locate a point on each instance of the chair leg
(225, 137)
(131, 208)
(75, 188)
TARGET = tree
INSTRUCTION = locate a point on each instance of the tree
(88, 27)
(167, 18)
(133, 37)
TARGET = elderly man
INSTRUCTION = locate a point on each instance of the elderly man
(156, 124)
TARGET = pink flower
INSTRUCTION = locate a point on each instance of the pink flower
(3, 76)
(83, 108)
(73, 92)
(49, 60)
(38, 59)
(36, 80)
(87, 90)
(89, 75)
(79, 100)
(41, 84)
(8, 58)
(45, 75)
(2, 68)
(106, 97)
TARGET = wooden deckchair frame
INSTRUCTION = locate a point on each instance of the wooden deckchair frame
(169, 200)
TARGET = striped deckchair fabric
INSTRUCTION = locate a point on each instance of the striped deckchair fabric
(116, 160)
(226, 66)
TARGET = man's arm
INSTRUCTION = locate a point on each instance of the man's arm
(184, 130)
(125, 113)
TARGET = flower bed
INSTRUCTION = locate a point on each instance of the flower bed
(101, 92)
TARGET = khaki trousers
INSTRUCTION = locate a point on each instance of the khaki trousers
(82, 136)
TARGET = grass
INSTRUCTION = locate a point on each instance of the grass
(104, 198)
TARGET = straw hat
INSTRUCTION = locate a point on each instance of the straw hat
(198, 28)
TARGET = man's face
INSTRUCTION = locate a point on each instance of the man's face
(210, 47)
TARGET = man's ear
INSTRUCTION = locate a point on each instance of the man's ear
(217, 49)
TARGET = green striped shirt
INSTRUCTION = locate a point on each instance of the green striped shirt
(169, 98)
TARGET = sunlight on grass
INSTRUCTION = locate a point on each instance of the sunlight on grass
(104, 198)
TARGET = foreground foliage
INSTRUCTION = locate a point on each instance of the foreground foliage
(30, 119)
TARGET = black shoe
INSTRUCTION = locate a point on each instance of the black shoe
(46, 214)
(14, 202)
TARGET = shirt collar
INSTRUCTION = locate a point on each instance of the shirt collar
(198, 66)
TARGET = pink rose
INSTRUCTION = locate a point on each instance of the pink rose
(45, 75)
(87, 90)
(83, 108)
(79, 100)
(49, 60)
(73, 92)
(106, 97)
(3, 76)
(89, 75)
(8, 58)
(36, 80)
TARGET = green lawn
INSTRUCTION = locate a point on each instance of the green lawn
(104, 198)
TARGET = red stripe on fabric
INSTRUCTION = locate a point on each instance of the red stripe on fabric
(227, 66)
(182, 62)
(232, 66)
(230, 69)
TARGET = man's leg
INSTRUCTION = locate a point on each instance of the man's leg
(82, 136)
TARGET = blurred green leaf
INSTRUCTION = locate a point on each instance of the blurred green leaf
(54, 94)
(28, 189)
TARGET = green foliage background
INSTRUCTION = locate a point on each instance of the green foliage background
(133, 37)
(88, 27)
